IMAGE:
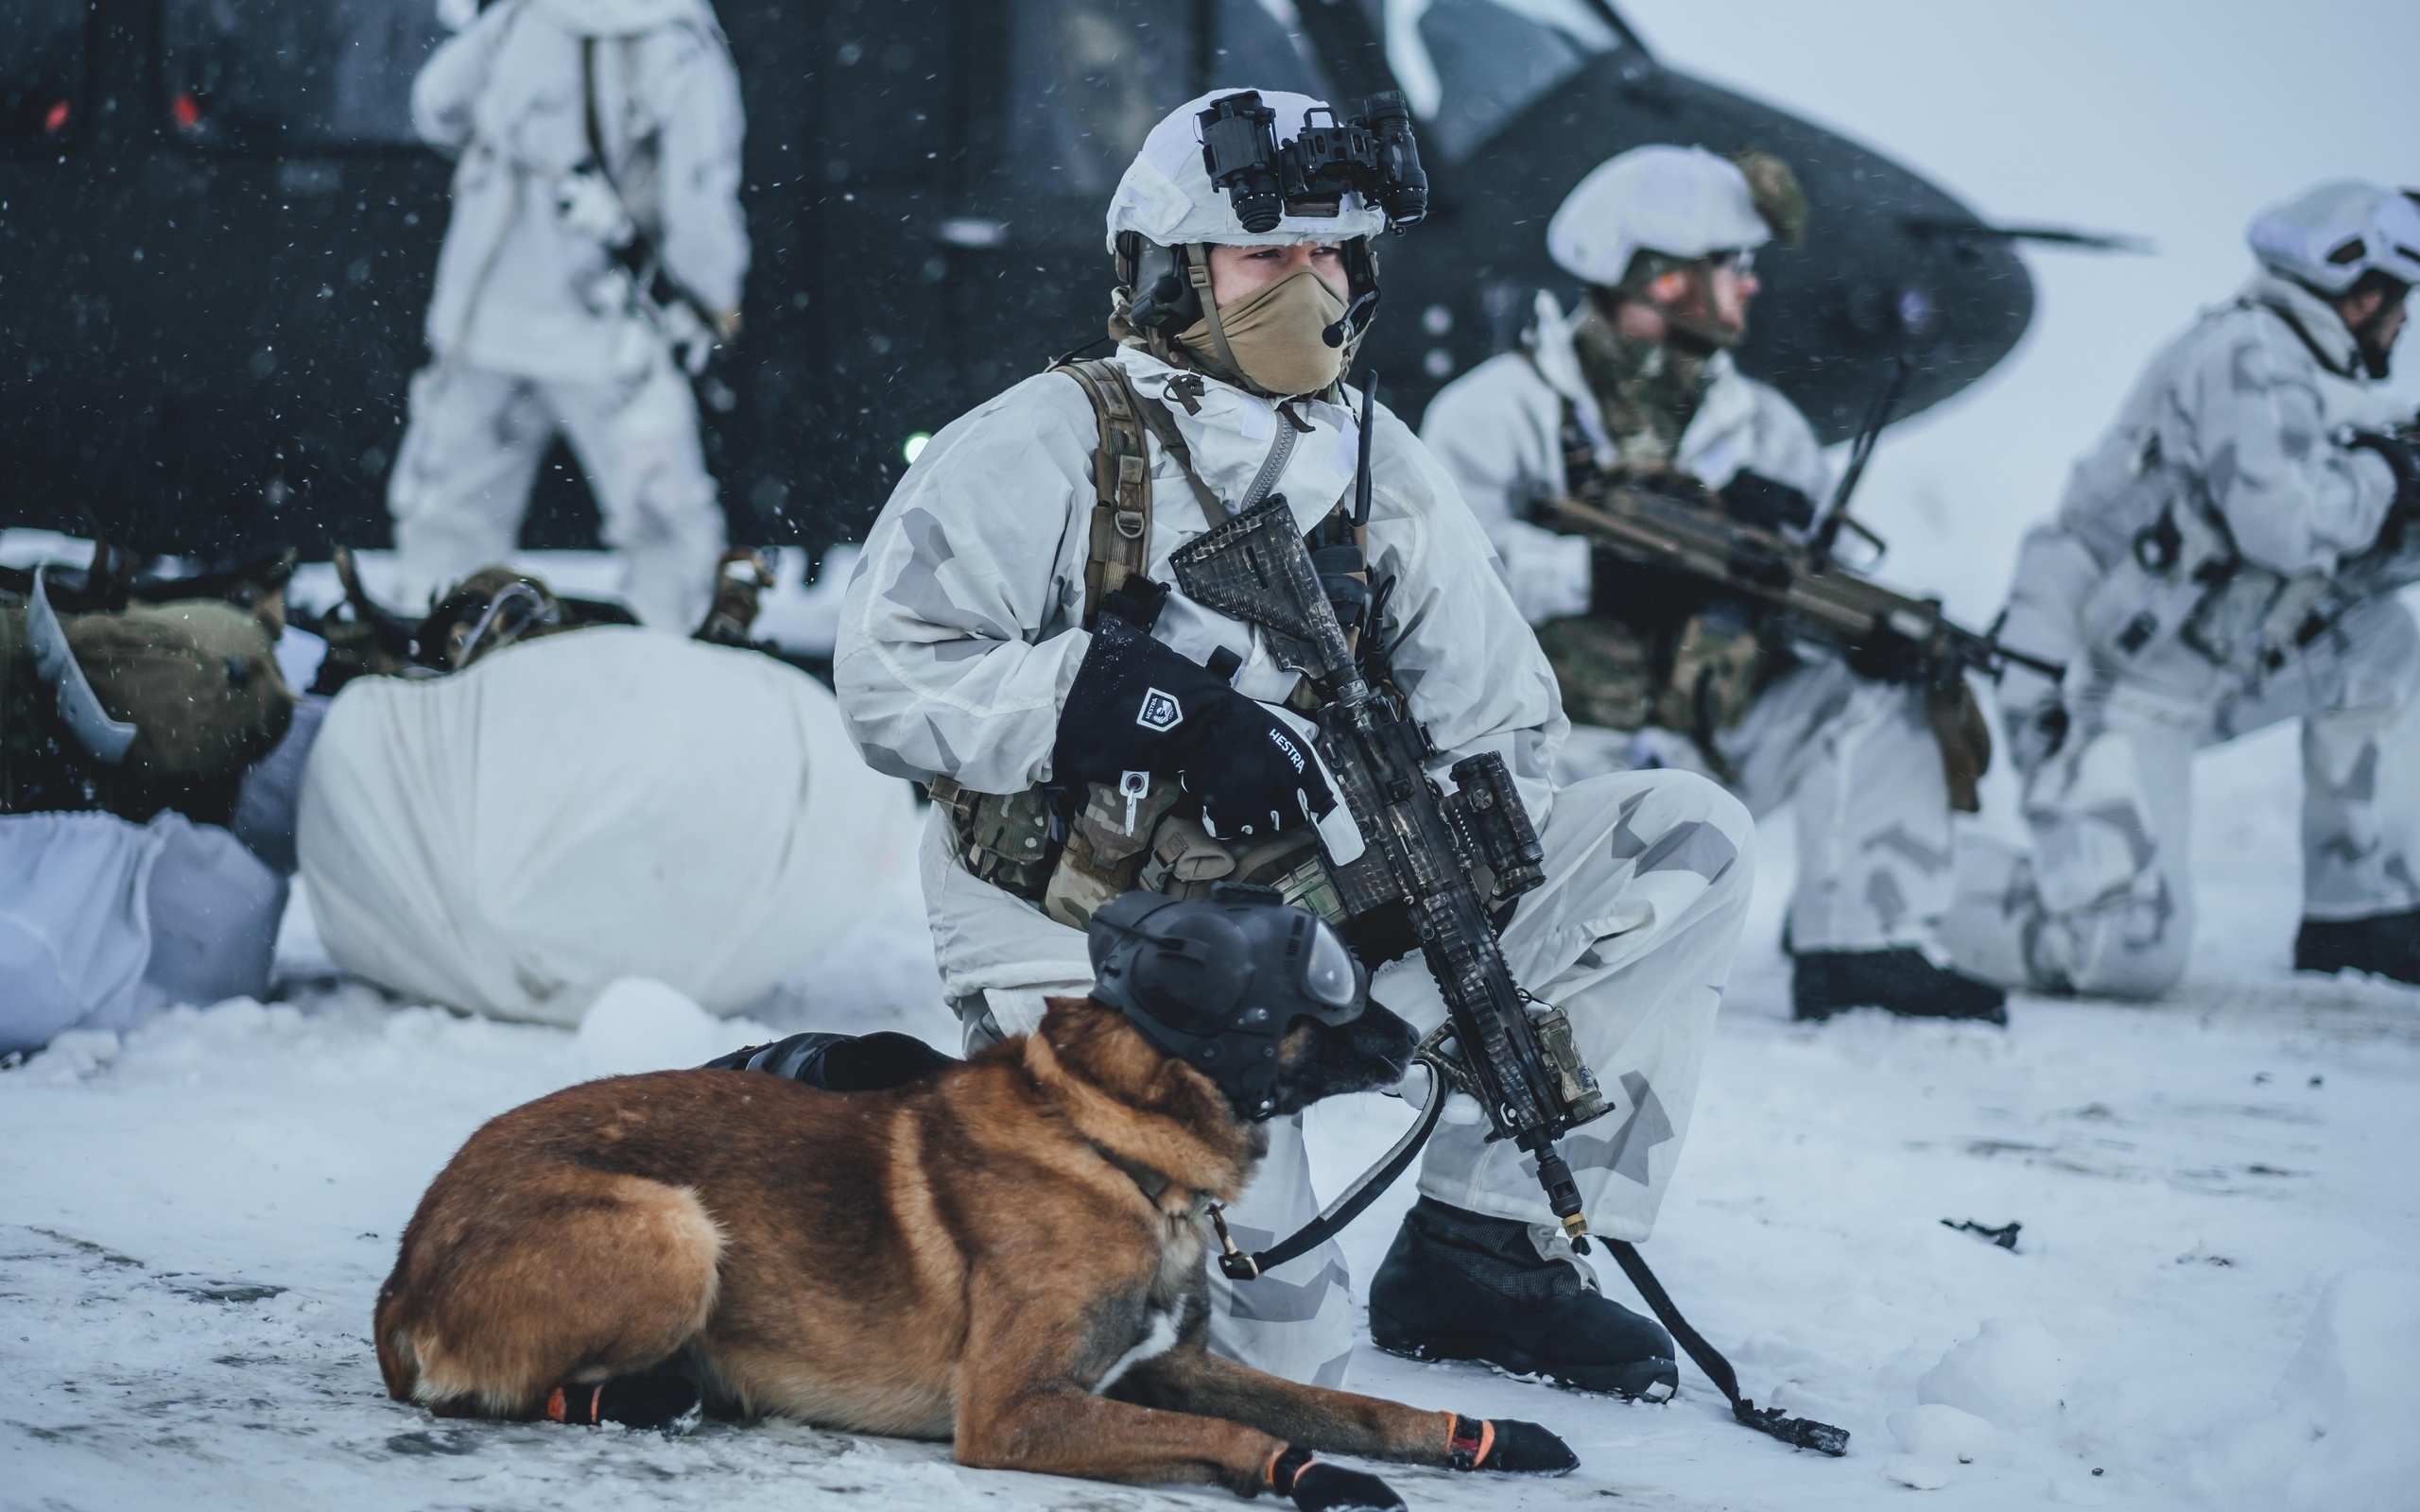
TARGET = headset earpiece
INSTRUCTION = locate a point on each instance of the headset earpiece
(1164, 299)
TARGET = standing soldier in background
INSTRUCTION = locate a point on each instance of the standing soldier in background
(2226, 559)
(595, 251)
(1640, 386)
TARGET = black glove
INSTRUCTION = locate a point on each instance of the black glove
(1317, 1486)
(1139, 707)
(1754, 499)
(1508, 1445)
(2398, 455)
(2037, 734)
(1343, 578)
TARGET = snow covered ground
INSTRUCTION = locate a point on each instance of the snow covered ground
(2215, 1299)
(2214, 1303)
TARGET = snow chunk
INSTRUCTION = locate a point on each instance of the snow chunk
(2012, 1374)
(638, 1024)
(1923, 1474)
(1939, 1431)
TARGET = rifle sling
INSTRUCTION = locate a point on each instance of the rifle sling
(643, 254)
(1805, 1433)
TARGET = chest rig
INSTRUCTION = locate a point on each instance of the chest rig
(1658, 650)
(1069, 849)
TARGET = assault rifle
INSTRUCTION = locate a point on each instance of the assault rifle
(1675, 525)
(1446, 861)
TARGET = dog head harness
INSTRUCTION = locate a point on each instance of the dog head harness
(1217, 982)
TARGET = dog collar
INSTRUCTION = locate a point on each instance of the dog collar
(1149, 1182)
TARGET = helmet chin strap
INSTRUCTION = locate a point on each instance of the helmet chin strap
(1197, 272)
(2375, 354)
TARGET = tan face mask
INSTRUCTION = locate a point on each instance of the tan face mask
(1274, 335)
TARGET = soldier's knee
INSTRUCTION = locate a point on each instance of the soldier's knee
(1688, 797)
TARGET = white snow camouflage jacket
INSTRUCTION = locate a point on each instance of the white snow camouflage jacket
(2241, 409)
(962, 628)
(515, 286)
(1499, 430)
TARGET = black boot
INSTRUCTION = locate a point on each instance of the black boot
(1458, 1285)
(839, 1062)
(2386, 944)
(1823, 983)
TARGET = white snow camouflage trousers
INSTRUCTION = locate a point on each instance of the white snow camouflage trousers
(462, 475)
(1648, 877)
(2104, 903)
(1857, 761)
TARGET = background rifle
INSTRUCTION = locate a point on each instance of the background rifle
(1678, 527)
(1446, 861)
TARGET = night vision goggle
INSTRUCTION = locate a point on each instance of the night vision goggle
(1308, 175)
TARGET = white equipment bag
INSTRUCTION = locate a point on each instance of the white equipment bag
(605, 804)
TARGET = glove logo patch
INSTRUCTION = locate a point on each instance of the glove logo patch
(1159, 712)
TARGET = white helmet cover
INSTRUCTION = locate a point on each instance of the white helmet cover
(2329, 237)
(1166, 196)
(1681, 201)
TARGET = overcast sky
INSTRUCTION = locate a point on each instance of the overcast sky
(2161, 118)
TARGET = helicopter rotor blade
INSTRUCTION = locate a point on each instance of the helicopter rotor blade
(2093, 241)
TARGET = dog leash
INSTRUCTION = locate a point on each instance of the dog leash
(1239, 1266)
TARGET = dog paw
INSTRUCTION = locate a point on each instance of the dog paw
(1508, 1445)
(1318, 1487)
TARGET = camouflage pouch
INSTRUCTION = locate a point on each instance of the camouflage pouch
(1186, 859)
(197, 678)
(1105, 852)
(1002, 838)
(1717, 667)
(1604, 668)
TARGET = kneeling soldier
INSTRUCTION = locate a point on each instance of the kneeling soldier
(1086, 730)
(1640, 387)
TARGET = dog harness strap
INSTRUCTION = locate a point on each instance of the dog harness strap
(1285, 1465)
(1237, 1266)
(1468, 1440)
(561, 1410)
(1803, 1431)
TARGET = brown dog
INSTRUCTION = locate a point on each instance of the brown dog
(1007, 1254)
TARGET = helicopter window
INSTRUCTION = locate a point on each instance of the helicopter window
(1469, 66)
(42, 69)
(278, 76)
(1089, 79)
(1258, 46)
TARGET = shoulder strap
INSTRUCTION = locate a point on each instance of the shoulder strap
(2310, 343)
(1163, 427)
(1121, 525)
(1580, 467)
(589, 124)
